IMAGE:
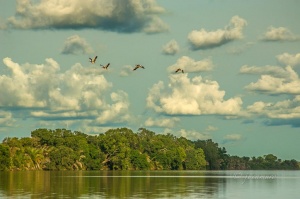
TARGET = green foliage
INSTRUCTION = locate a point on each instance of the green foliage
(4, 157)
(212, 153)
(122, 149)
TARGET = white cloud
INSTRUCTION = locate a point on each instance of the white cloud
(78, 93)
(26, 89)
(116, 112)
(190, 65)
(275, 71)
(279, 34)
(289, 59)
(202, 39)
(284, 82)
(162, 122)
(113, 15)
(286, 109)
(76, 45)
(171, 48)
(196, 96)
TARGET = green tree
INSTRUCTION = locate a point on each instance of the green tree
(138, 160)
(211, 151)
(4, 157)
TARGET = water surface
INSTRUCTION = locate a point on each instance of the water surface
(150, 184)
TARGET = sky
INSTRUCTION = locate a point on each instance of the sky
(241, 63)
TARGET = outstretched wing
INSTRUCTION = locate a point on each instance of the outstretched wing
(136, 67)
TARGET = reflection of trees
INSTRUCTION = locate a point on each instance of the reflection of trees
(110, 184)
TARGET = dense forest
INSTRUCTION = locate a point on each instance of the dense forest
(122, 149)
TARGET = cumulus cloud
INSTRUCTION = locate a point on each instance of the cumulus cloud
(45, 93)
(279, 34)
(203, 39)
(162, 122)
(190, 65)
(171, 48)
(275, 71)
(112, 15)
(196, 96)
(289, 59)
(286, 109)
(76, 45)
(277, 81)
(285, 112)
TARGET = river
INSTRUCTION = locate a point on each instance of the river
(150, 184)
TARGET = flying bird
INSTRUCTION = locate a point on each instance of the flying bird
(106, 66)
(138, 66)
(93, 60)
(178, 70)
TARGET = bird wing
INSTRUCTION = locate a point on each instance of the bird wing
(95, 58)
(136, 67)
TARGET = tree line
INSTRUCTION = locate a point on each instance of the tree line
(122, 149)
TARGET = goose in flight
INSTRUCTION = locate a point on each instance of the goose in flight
(93, 60)
(138, 66)
(106, 66)
(178, 70)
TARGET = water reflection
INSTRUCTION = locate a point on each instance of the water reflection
(148, 184)
(107, 184)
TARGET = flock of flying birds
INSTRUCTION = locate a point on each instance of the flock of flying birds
(93, 60)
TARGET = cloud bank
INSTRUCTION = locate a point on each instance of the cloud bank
(274, 80)
(203, 39)
(44, 93)
(112, 15)
(277, 80)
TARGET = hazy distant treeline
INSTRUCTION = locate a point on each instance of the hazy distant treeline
(122, 149)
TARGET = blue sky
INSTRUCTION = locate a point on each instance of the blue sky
(241, 62)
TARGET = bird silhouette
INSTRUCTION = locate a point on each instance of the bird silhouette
(106, 66)
(93, 60)
(138, 66)
(178, 70)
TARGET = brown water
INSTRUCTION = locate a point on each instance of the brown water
(150, 184)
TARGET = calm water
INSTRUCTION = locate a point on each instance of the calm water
(150, 184)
